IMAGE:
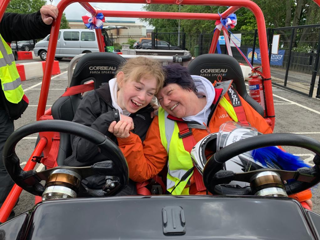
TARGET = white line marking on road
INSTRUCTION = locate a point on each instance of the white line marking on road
(282, 103)
(299, 105)
(306, 133)
(309, 157)
(59, 75)
(29, 138)
(23, 163)
(40, 168)
(36, 85)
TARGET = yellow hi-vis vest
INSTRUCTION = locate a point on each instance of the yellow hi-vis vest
(9, 76)
(179, 159)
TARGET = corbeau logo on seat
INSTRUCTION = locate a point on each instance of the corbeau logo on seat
(209, 72)
(214, 70)
(102, 69)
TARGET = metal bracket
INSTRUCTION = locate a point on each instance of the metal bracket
(36, 159)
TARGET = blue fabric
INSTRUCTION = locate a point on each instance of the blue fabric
(273, 156)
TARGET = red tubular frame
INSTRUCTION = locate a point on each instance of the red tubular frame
(235, 5)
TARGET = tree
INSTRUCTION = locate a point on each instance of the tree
(64, 22)
(277, 13)
(31, 6)
(25, 6)
(130, 42)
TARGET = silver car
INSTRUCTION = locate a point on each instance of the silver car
(71, 42)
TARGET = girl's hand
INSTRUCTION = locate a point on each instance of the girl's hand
(155, 105)
(122, 128)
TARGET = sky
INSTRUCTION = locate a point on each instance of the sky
(75, 11)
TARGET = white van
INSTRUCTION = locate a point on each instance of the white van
(71, 42)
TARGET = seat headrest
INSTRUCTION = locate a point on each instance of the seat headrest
(211, 66)
(223, 67)
(99, 67)
(219, 67)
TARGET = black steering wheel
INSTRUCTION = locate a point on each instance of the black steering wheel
(302, 179)
(30, 180)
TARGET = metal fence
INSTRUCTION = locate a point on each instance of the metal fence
(295, 66)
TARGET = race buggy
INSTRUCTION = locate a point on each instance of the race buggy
(260, 210)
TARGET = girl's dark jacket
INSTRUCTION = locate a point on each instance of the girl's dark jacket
(96, 111)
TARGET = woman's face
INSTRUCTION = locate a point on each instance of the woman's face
(176, 101)
(132, 95)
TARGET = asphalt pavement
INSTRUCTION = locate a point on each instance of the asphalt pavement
(297, 81)
(295, 113)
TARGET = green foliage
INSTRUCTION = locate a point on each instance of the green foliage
(304, 49)
(64, 22)
(32, 6)
(117, 46)
(188, 26)
(277, 13)
(131, 42)
(25, 6)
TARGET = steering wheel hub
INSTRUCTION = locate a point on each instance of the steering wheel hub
(62, 183)
(268, 183)
(58, 192)
(272, 192)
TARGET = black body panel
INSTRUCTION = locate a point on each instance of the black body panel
(201, 217)
(15, 228)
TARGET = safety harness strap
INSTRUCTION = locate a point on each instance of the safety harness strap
(74, 90)
(185, 133)
(238, 108)
(51, 160)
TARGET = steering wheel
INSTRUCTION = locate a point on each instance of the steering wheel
(217, 180)
(30, 180)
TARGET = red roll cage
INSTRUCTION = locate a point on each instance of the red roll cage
(235, 5)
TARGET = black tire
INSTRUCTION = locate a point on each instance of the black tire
(15, 55)
(43, 55)
(58, 58)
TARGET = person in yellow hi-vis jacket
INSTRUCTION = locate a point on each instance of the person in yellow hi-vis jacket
(15, 27)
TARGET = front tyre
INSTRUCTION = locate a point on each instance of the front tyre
(43, 55)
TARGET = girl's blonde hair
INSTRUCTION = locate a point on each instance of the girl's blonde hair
(137, 68)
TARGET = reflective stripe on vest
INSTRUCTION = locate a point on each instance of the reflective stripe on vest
(179, 160)
(9, 76)
(229, 109)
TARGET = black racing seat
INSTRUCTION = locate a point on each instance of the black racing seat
(99, 67)
(223, 67)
